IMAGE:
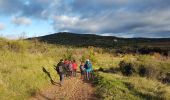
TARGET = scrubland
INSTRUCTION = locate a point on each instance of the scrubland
(123, 76)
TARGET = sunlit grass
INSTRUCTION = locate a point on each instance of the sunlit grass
(21, 74)
(117, 87)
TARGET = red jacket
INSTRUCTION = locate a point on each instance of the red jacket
(74, 65)
(66, 62)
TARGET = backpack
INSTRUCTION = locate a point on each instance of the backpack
(60, 69)
(88, 65)
(66, 66)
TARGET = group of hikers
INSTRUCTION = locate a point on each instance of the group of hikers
(68, 68)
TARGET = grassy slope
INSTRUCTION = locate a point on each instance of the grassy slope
(21, 72)
(21, 64)
(117, 87)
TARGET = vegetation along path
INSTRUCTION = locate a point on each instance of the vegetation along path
(72, 89)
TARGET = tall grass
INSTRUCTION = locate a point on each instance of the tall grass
(22, 75)
(117, 87)
(22, 63)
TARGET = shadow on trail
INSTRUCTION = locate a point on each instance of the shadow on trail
(48, 74)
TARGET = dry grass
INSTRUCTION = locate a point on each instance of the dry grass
(21, 63)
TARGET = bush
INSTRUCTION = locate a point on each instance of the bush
(165, 77)
(126, 68)
(101, 69)
(148, 71)
(141, 68)
(142, 71)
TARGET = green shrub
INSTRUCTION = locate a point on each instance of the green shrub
(148, 71)
(142, 71)
(126, 68)
(101, 69)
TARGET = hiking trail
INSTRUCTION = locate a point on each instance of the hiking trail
(72, 89)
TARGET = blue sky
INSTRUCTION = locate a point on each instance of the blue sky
(125, 18)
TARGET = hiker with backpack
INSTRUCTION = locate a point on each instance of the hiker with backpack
(74, 66)
(82, 69)
(88, 69)
(60, 68)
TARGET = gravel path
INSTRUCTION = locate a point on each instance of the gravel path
(72, 89)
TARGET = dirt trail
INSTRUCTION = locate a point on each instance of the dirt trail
(72, 89)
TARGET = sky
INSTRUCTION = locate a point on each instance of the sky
(123, 18)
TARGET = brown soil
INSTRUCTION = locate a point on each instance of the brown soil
(72, 89)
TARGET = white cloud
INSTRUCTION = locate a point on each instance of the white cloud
(68, 20)
(62, 22)
(2, 26)
(128, 17)
(21, 20)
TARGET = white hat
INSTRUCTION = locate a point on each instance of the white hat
(87, 60)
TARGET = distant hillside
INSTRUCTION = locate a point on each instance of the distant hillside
(79, 39)
(72, 39)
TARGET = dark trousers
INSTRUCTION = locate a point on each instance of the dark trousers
(61, 78)
(70, 73)
(87, 75)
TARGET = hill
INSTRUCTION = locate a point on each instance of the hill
(27, 68)
(120, 45)
(66, 38)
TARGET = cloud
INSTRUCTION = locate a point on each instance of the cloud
(9, 7)
(2, 26)
(32, 8)
(118, 17)
(21, 20)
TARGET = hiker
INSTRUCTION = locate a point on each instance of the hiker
(66, 65)
(88, 69)
(66, 61)
(70, 66)
(74, 66)
(61, 70)
(82, 69)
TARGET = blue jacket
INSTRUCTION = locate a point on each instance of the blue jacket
(88, 66)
